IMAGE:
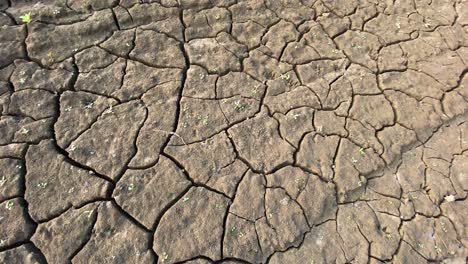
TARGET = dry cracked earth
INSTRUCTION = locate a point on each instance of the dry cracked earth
(232, 131)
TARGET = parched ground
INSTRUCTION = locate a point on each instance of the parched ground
(233, 131)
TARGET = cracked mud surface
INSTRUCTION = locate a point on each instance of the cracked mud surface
(234, 131)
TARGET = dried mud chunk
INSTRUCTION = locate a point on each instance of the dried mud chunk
(295, 124)
(34, 131)
(120, 43)
(434, 10)
(78, 110)
(109, 240)
(300, 96)
(143, 14)
(51, 43)
(391, 58)
(93, 58)
(299, 53)
(9, 126)
(53, 185)
(206, 23)
(288, 10)
(386, 184)
(17, 226)
(433, 238)
(391, 28)
(249, 203)
(25, 254)
(248, 33)
(316, 154)
(155, 188)
(285, 223)
(241, 241)
(373, 110)
(68, 232)
(110, 138)
(327, 70)
(459, 173)
(315, 37)
(34, 103)
(199, 119)
(258, 141)
(204, 159)
(328, 123)
(11, 178)
(212, 55)
(262, 67)
(423, 117)
(200, 84)
(277, 37)
(362, 80)
(86, 5)
(254, 11)
(238, 108)
(407, 254)
(29, 75)
(422, 203)
(239, 83)
(105, 81)
(360, 227)
(194, 223)
(395, 140)
(457, 212)
(447, 68)
(227, 179)
(157, 50)
(318, 200)
(341, 7)
(322, 245)
(454, 104)
(364, 135)
(171, 26)
(353, 165)
(360, 47)
(293, 180)
(11, 43)
(333, 24)
(134, 86)
(442, 146)
(158, 127)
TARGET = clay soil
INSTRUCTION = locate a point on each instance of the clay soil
(233, 131)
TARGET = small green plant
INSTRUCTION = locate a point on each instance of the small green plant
(24, 131)
(185, 199)
(362, 152)
(42, 185)
(9, 205)
(285, 77)
(26, 18)
(240, 107)
(2, 181)
(165, 256)
(131, 187)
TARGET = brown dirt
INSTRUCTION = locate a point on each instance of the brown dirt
(233, 131)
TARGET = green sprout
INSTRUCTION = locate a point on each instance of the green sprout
(362, 152)
(185, 199)
(26, 18)
(42, 185)
(9, 205)
(285, 77)
(130, 187)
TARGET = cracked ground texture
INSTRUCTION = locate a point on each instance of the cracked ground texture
(233, 131)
